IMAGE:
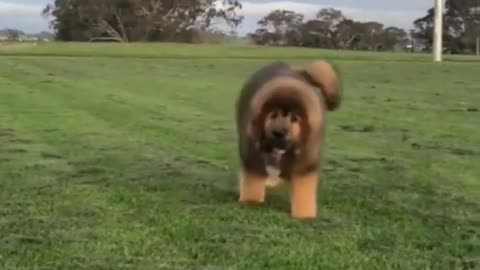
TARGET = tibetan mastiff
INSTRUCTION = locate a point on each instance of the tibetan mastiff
(280, 122)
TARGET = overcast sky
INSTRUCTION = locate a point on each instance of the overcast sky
(25, 14)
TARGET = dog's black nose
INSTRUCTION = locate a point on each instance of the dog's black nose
(279, 134)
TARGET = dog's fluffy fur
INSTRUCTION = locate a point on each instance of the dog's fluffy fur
(294, 100)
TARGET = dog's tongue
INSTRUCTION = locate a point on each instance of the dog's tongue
(278, 154)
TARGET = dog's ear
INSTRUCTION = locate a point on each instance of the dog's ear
(324, 76)
(255, 128)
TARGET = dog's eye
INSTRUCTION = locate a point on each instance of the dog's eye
(274, 115)
(295, 118)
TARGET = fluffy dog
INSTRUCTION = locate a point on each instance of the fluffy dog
(280, 122)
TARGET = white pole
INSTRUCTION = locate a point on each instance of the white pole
(478, 46)
(438, 31)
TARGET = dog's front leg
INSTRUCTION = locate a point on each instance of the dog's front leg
(304, 196)
(252, 188)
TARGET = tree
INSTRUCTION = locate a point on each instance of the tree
(315, 33)
(283, 24)
(13, 34)
(336, 26)
(346, 34)
(394, 36)
(138, 20)
(369, 35)
(332, 17)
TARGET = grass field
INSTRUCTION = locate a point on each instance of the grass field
(116, 158)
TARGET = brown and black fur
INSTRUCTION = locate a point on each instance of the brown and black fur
(295, 101)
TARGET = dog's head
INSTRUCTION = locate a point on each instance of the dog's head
(282, 129)
(281, 126)
(288, 115)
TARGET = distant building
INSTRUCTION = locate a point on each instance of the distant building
(27, 38)
(20, 36)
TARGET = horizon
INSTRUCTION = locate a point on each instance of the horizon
(25, 15)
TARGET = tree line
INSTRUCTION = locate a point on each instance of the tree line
(330, 29)
(195, 21)
(139, 20)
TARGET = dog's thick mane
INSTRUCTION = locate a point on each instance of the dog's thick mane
(301, 88)
(297, 92)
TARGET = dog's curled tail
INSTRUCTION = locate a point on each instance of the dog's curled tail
(324, 76)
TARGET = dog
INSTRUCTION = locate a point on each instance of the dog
(280, 124)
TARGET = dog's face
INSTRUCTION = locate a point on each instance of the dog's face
(282, 131)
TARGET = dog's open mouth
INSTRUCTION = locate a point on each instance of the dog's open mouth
(274, 151)
(278, 154)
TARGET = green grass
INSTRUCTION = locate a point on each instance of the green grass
(203, 51)
(129, 162)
